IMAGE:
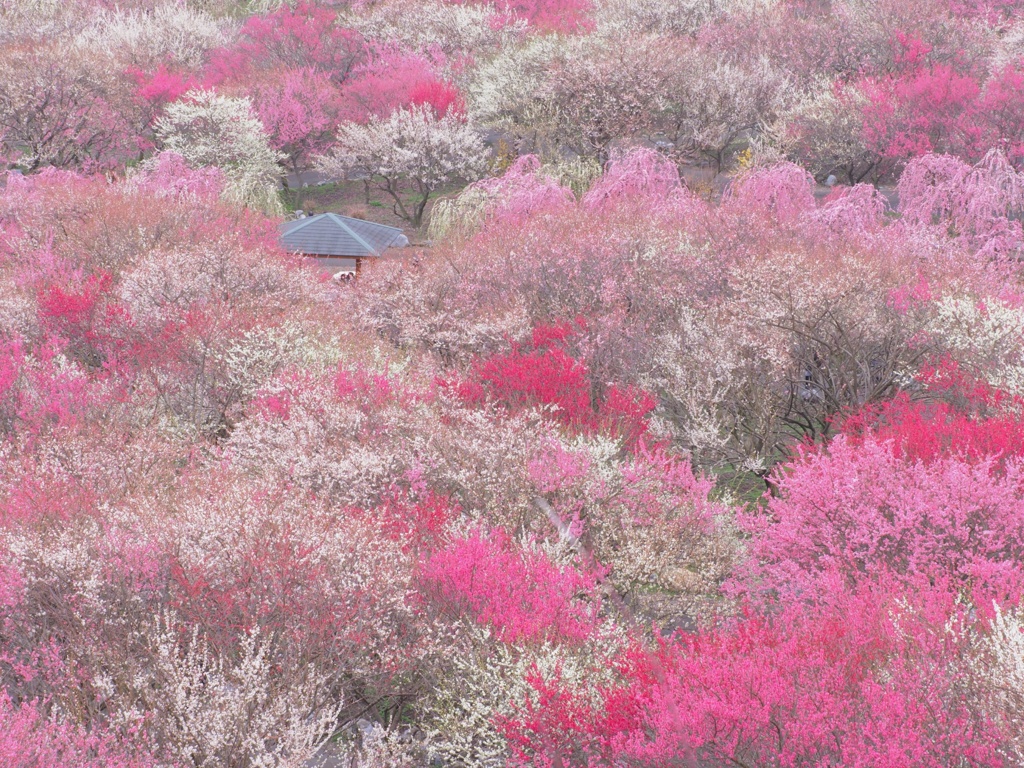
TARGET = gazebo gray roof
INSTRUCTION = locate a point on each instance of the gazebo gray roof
(328, 234)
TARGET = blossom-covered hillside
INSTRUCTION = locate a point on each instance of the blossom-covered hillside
(691, 431)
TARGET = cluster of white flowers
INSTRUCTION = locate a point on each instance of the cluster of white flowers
(409, 307)
(169, 32)
(650, 528)
(988, 336)
(259, 7)
(1010, 46)
(490, 680)
(411, 143)
(502, 90)
(577, 174)
(208, 129)
(452, 27)
(679, 17)
(381, 747)
(252, 360)
(1000, 669)
(714, 101)
(825, 128)
(219, 712)
(39, 17)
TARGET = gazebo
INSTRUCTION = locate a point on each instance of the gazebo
(339, 243)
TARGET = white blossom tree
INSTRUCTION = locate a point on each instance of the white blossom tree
(408, 156)
(1000, 675)
(454, 28)
(580, 94)
(677, 17)
(61, 109)
(599, 93)
(212, 130)
(170, 32)
(714, 102)
(823, 132)
(503, 91)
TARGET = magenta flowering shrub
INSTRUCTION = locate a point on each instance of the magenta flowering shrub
(967, 419)
(867, 679)
(924, 107)
(305, 35)
(520, 594)
(547, 377)
(857, 512)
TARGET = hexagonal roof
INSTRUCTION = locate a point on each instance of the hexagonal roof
(329, 234)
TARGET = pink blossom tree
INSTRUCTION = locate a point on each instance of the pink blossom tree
(300, 113)
(305, 36)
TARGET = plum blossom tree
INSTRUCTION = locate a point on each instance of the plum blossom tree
(502, 91)
(978, 204)
(540, 600)
(453, 28)
(823, 132)
(31, 738)
(897, 517)
(168, 175)
(596, 94)
(238, 712)
(631, 17)
(1000, 665)
(561, 16)
(392, 78)
(959, 417)
(928, 109)
(413, 148)
(1001, 106)
(712, 102)
(168, 34)
(299, 113)
(581, 95)
(55, 112)
(208, 129)
(302, 35)
(517, 194)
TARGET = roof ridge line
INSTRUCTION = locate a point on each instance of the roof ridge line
(338, 220)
